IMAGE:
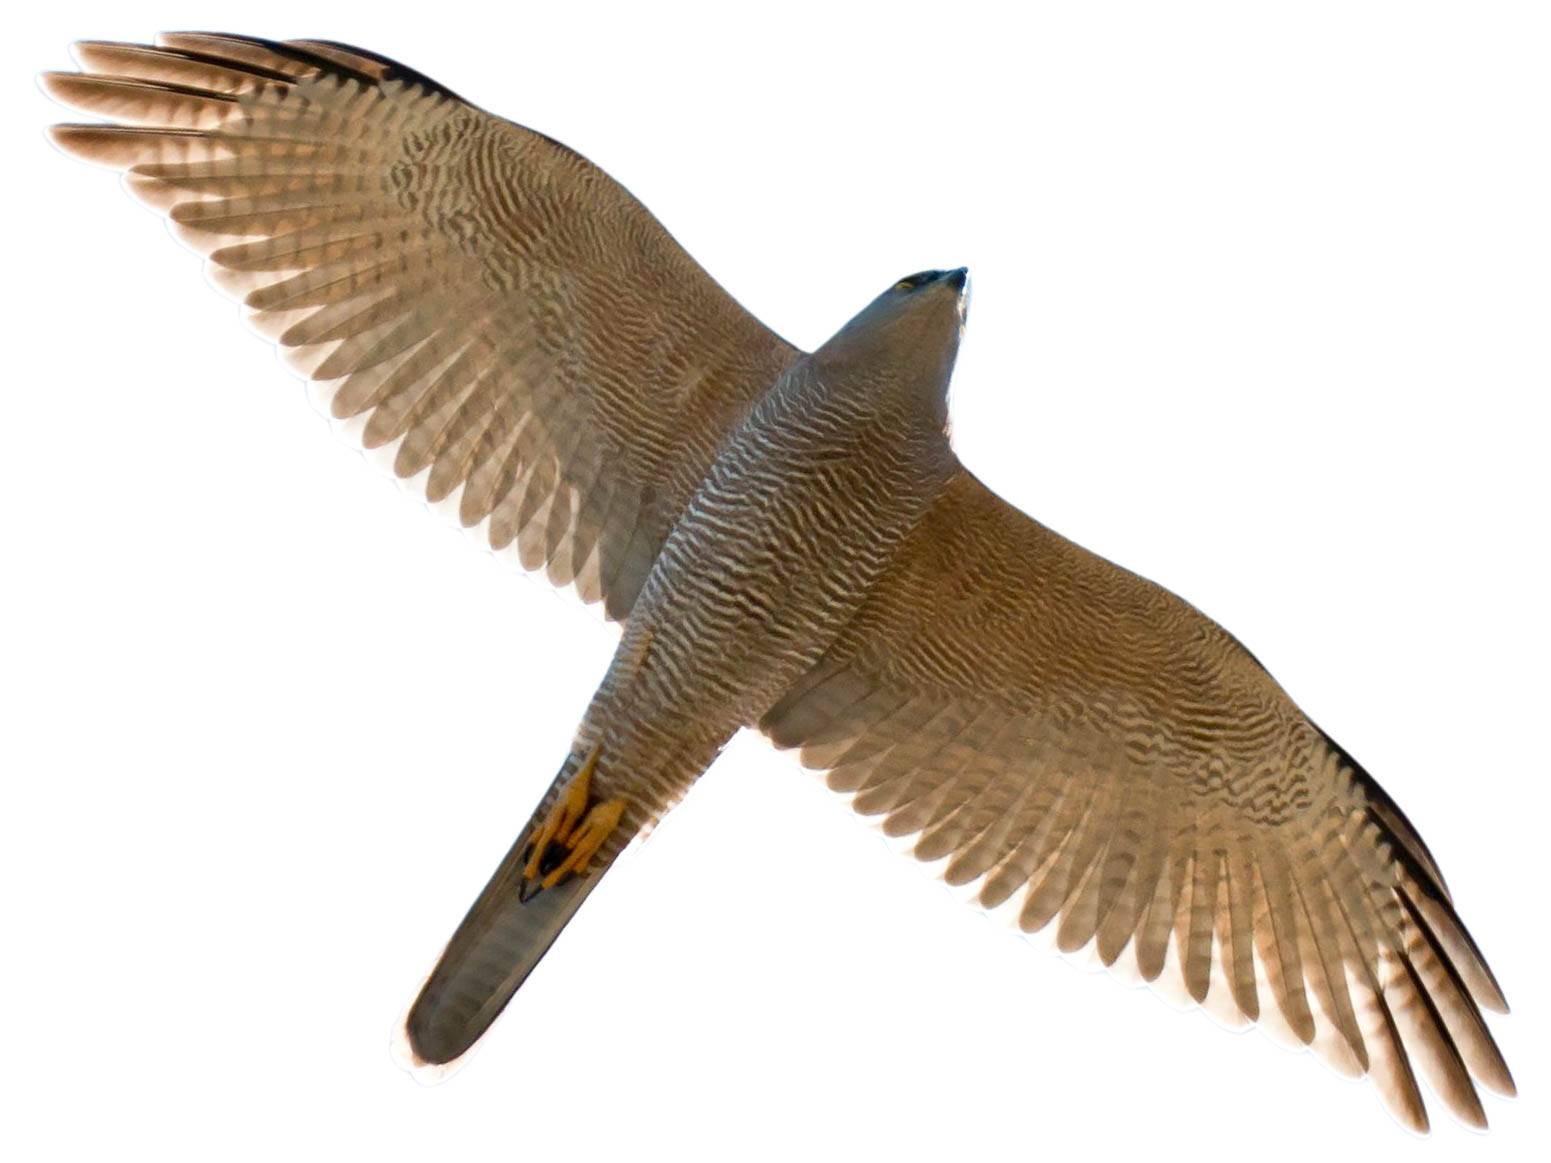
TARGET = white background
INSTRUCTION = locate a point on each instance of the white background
(1260, 311)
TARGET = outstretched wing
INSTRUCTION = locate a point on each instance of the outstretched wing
(1092, 749)
(523, 328)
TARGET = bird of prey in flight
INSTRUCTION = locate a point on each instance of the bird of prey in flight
(791, 546)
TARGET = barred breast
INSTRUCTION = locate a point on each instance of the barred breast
(799, 516)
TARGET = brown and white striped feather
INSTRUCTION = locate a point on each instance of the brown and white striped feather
(525, 341)
(1098, 757)
(516, 332)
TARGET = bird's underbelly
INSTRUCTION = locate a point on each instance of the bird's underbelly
(739, 604)
(768, 564)
(797, 518)
(744, 598)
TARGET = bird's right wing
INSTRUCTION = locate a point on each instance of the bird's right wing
(1085, 745)
(523, 328)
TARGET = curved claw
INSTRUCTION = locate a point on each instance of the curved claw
(570, 834)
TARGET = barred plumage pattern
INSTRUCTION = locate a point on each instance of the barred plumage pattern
(525, 331)
(1089, 747)
(792, 546)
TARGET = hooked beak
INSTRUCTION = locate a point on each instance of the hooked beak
(959, 280)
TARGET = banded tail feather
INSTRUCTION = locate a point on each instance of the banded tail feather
(571, 841)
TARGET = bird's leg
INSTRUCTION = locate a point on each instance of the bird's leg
(571, 833)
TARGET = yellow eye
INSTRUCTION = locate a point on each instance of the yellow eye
(904, 285)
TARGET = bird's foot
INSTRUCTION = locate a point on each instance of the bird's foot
(570, 834)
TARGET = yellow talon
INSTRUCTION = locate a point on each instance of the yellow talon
(574, 824)
(563, 816)
(596, 828)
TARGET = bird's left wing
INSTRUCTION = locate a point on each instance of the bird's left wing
(531, 337)
(1088, 747)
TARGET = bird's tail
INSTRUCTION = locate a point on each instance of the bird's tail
(570, 843)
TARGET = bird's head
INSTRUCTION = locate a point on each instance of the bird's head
(912, 329)
(924, 299)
